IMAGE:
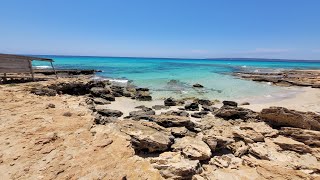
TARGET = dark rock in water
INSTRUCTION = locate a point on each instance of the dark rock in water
(100, 101)
(232, 112)
(230, 103)
(199, 114)
(176, 113)
(142, 89)
(173, 121)
(209, 108)
(170, 102)
(198, 85)
(108, 97)
(143, 98)
(245, 104)
(205, 102)
(159, 107)
(192, 107)
(110, 112)
(143, 94)
(44, 92)
(280, 116)
(104, 120)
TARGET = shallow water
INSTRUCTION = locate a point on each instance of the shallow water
(175, 77)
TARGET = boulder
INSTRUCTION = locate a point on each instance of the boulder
(308, 137)
(101, 101)
(176, 113)
(144, 113)
(44, 92)
(99, 91)
(108, 97)
(217, 142)
(170, 102)
(192, 148)
(173, 165)
(205, 102)
(291, 145)
(146, 136)
(179, 131)
(173, 121)
(71, 88)
(259, 150)
(245, 104)
(103, 120)
(200, 114)
(110, 112)
(248, 135)
(198, 85)
(232, 112)
(117, 91)
(230, 103)
(143, 94)
(238, 148)
(209, 108)
(279, 116)
(192, 107)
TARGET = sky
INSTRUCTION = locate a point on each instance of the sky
(287, 29)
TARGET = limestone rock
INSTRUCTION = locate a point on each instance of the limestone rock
(110, 112)
(200, 114)
(248, 135)
(173, 121)
(217, 142)
(145, 113)
(226, 161)
(99, 91)
(230, 103)
(232, 112)
(176, 113)
(192, 148)
(291, 145)
(179, 131)
(308, 137)
(279, 116)
(192, 107)
(238, 148)
(159, 107)
(172, 165)
(100, 101)
(146, 136)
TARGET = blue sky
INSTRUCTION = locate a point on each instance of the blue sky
(162, 28)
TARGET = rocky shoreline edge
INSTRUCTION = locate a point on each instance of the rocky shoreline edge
(197, 140)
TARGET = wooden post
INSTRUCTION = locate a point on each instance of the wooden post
(4, 77)
(54, 70)
(31, 70)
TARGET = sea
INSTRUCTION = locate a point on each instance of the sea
(170, 77)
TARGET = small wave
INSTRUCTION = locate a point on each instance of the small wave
(42, 67)
(244, 66)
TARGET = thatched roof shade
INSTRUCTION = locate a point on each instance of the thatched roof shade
(20, 57)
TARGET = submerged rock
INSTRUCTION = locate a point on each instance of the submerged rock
(198, 85)
(192, 148)
(279, 116)
(170, 102)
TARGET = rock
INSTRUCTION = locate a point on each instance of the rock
(291, 145)
(159, 107)
(217, 142)
(103, 120)
(279, 116)
(198, 85)
(192, 148)
(170, 102)
(179, 131)
(145, 114)
(71, 88)
(67, 114)
(245, 104)
(209, 108)
(260, 127)
(308, 137)
(173, 121)
(44, 92)
(99, 91)
(117, 91)
(50, 105)
(172, 165)
(230, 103)
(200, 114)
(146, 136)
(238, 148)
(226, 161)
(205, 102)
(248, 135)
(192, 107)
(232, 112)
(143, 94)
(110, 112)
(176, 113)
(259, 150)
(100, 101)
(108, 97)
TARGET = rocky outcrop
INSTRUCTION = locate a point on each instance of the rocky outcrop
(209, 108)
(145, 113)
(230, 103)
(238, 148)
(192, 107)
(248, 135)
(205, 102)
(172, 165)
(192, 148)
(232, 112)
(226, 161)
(173, 121)
(110, 112)
(170, 102)
(292, 145)
(217, 142)
(279, 116)
(44, 92)
(176, 113)
(198, 85)
(99, 91)
(143, 94)
(308, 137)
(200, 114)
(159, 107)
(100, 101)
(146, 136)
(179, 131)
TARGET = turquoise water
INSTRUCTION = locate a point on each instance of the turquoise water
(175, 77)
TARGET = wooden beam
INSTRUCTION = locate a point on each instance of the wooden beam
(31, 70)
(54, 70)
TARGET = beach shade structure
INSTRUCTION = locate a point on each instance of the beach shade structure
(18, 64)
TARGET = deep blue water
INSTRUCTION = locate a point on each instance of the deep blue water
(174, 77)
